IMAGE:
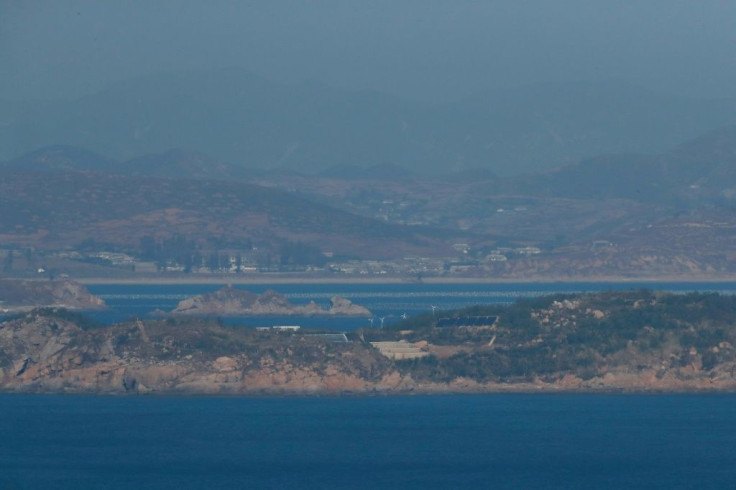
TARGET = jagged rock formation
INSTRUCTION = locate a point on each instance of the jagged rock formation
(344, 307)
(45, 351)
(229, 301)
(22, 295)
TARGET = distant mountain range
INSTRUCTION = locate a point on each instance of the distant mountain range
(174, 163)
(252, 123)
(700, 170)
(668, 212)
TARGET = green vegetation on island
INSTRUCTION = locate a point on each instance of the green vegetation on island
(585, 335)
(610, 341)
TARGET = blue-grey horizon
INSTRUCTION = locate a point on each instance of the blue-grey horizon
(428, 50)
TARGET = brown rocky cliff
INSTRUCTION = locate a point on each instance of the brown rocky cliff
(43, 353)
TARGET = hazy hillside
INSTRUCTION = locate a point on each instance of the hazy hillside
(59, 158)
(627, 214)
(177, 163)
(543, 126)
(72, 207)
(174, 163)
(243, 119)
(700, 170)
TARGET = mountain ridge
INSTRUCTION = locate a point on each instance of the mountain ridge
(244, 119)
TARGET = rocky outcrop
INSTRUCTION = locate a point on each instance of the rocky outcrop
(611, 341)
(229, 301)
(342, 306)
(47, 352)
(41, 352)
(22, 295)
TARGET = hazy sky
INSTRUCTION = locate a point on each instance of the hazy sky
(425, 49)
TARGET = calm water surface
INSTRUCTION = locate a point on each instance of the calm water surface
(493, 441)
(389, 301)
(497, 441)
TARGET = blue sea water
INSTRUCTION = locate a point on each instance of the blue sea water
(494, 441)
(429, 442)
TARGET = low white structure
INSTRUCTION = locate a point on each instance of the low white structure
(400, 350)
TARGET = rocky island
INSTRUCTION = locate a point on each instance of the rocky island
(230, 301)
(632, 342)
(23, 295)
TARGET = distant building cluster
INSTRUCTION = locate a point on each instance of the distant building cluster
(463, 259)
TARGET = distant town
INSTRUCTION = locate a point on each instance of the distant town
(63, 264)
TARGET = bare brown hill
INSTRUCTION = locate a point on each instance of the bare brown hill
(64, 209)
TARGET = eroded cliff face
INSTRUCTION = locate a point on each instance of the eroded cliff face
(40, 352)
(44, 352)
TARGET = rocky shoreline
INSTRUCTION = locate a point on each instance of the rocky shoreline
(47, 351)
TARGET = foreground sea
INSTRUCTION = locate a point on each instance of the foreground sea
(481, 441)
(428, 442)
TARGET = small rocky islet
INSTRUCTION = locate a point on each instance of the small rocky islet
(229, 301)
